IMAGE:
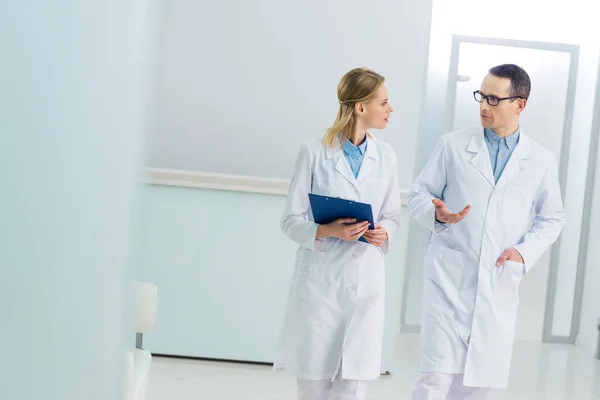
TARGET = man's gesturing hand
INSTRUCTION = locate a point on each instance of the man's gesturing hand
(443, 215)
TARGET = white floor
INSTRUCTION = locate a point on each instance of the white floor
(539, 372)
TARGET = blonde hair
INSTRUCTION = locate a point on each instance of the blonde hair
(357, 86)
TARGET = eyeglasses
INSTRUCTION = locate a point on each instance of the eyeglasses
(491, 100)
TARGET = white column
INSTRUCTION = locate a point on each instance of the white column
(73, 76)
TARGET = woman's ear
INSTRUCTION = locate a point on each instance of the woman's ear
(359, 108)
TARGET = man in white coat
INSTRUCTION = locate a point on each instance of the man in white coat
(507, 187)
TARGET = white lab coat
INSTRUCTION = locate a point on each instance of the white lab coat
(469, 304)
(335, 310)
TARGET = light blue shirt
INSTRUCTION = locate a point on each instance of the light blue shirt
(354, 155)
(500, 149)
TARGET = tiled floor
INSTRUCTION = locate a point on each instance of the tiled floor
(539, 372)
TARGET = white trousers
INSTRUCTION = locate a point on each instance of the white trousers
(339, 389)
(438, 386)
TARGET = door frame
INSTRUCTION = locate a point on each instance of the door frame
(588, 203)
(573, 50)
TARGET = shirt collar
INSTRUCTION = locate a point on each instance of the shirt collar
(511, 141)
(349, 148)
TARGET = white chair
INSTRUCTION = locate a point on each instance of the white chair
(138, 361)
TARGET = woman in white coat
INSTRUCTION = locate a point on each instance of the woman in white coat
(331, 339)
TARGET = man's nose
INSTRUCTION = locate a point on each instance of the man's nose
(484, 106)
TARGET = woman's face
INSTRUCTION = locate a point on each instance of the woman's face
(376, 113)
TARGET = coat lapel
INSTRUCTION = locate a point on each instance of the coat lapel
(369, 161)
(481, 158)
(517, 160)
(341, 164)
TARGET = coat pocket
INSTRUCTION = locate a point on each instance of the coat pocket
(446, 267)
(508, 278)
(307, 301)
(309, 262)
(506, 293)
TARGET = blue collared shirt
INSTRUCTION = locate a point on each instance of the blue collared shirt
(500, 149)
(354, 155)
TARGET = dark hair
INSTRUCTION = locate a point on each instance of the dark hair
(520, 84)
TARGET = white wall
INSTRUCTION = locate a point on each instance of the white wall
(224, 272)
(239, 79)
(71, 121)
(520, 21)
(219, 259)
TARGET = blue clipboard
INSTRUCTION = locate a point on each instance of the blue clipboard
(327, 209)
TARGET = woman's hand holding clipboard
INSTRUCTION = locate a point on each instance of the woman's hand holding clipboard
(345, 229)
(376, 236)
(338, 218)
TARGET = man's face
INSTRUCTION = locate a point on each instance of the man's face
(506, 114)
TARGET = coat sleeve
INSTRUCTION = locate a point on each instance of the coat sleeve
(295, 221)
(548, 221)
(429, 185)
(391, 207)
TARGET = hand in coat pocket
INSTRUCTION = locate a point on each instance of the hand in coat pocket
(511, 255)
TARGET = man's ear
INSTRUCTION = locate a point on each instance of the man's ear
(522, 105)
